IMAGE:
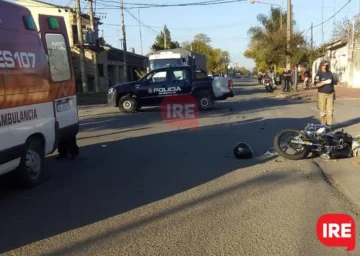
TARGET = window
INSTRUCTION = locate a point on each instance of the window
(199, 74)
(159, 76)
(58, 57)
(101, 70)
(179, 75)
(160, 63)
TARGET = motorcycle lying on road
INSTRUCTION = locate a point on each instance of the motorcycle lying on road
(269, 87)
(316, 139)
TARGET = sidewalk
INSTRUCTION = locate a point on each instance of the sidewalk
(344, 174)
(89, 110)
(342, 93)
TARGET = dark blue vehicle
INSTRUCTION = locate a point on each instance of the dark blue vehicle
(151, 89)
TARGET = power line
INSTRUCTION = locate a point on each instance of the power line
(142, 6)
(204, 3)
(182, 28)
(157, 32)
(348, 2)
(322, 23)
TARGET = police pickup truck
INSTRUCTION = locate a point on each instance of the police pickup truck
(151, 89)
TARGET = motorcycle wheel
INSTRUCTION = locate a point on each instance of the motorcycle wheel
(300, 151)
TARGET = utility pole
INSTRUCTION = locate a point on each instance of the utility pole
(94, 30)
(322, 22)
(165, 39)
(124, 39)
(141, 43)
(312, 37)
(288, 34)
(81, 46)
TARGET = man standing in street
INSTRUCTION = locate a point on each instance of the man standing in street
(325, 82)
(285, 80)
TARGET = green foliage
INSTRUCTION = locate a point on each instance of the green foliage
(159, 43)
(268, 44)
(140, 73)
(242, 71)
(217, 60)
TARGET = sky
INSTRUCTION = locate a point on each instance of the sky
(226, 24)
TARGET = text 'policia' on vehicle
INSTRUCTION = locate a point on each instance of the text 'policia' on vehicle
(151, 89)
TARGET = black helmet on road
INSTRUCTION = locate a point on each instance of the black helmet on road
(242, 151)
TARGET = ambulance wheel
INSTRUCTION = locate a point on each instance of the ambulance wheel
(30, 171)
(128, 104)
(205, 101)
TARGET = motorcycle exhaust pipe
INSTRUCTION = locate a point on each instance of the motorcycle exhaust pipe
(307, 143)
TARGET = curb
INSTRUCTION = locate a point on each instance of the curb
(90, 106)
(334, 184)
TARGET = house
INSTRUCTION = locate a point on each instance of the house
(342, 55)
(110, 63)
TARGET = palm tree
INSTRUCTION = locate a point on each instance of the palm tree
(268, 41)
(268, 24)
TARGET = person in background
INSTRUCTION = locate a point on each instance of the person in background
(325, 82)
(286, 79)
(259, 77)
(292, 77)
(283, 79)
(272, 76)
(307, 79)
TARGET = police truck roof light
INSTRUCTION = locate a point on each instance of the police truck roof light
(53, 23)
(29, 23)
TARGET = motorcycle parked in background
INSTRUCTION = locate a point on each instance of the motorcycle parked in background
(269, 87)
(277, 80)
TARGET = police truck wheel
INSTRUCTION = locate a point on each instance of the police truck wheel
(128, 104)
(205, 101)
(31, 168)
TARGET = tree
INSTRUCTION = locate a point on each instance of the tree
(217, 60)
(254, 71)
(159, 43)
(268, 44)
(243, 71)
(343, 29)
(225, 56)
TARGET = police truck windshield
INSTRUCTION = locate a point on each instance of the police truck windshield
(160, 63)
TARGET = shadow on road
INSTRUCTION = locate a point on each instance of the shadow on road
(247, 91)
(119, 121)
(287, 178)
(117, 177)
(344, 125)
(151, 115)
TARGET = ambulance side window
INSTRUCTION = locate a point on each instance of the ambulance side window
(58, 57)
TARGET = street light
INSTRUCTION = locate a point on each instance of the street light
(272, 4)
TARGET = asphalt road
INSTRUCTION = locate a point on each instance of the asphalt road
(142, 187)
